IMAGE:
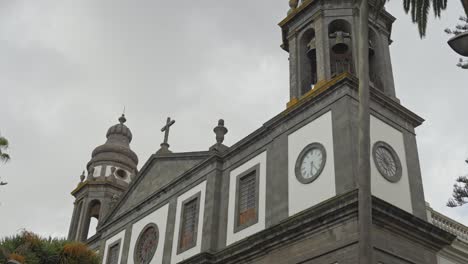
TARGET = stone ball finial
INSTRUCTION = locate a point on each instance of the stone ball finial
(82, 176)
(293, 5)
(122, 119)
(220, 131)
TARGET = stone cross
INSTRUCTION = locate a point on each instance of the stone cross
(166, 129)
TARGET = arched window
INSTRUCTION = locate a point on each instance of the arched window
(341, 56)
(308, 61)
(91, 220)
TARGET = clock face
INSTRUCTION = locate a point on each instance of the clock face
(387, 162)
(310, 163)
(147, 244)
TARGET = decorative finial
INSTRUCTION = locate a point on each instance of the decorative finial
(122, 119)
(220, 131)
(82, 176)
(293, 5)
(165, 145)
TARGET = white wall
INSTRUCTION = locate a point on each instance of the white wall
(197, 248)
(260, 225)
(303, 196)
(397, 193)
(97, 171)
(158, 217)
(110, 241)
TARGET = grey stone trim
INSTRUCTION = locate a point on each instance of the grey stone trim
(170, 231)
(126, 244)
(254, 169)
(398, 173)
(196, 197)
(211, 213)
(344, 146)
(297, 167)
(206, 156)
(117, 242)
(414, 176)
(325, 217)
(276, 204)
(149, 225)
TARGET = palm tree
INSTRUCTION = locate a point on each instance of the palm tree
(4, 157)
(419, 10)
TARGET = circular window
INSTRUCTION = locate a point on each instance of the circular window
(146, 244)
(121, 173)
(387, 162)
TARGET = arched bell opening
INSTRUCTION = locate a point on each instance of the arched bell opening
(375, 59)
(308, 61)
(91, 221)
(341, 55)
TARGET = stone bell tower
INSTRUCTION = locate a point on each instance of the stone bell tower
(320, 37)
(111, 169)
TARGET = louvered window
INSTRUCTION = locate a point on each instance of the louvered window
(113, 255)
(189, 224)
(247, 199)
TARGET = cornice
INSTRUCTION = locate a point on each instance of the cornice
(326, 215)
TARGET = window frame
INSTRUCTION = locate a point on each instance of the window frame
(147, 226)
(193, 243)
(115, 243)
(254, 169)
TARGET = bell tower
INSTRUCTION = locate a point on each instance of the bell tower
(112, 167)
(320, 37)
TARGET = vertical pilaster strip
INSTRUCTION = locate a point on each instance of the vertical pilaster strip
(323, 53)
(82, 217)
(169, 236)
(126, 245)
(223, 210)
(344, 144)
(414, 176)
(277, 181)
(387, 67)
(211, 215)
(293, 67)
(72, 229)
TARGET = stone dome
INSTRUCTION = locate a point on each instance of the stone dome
(117, 147)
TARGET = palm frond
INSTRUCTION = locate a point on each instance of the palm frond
(4, 157)
(3, 143)
(419, 10)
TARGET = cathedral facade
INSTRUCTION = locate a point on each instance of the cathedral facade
(286, 193)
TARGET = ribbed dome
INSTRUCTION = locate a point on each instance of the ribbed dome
(120, 129)
(117, 147)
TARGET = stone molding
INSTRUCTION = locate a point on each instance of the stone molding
(325, 215)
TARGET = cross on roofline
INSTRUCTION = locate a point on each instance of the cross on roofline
(166, 128)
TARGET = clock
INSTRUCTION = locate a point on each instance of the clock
(146, 244)
(310, 163)
(387, 161)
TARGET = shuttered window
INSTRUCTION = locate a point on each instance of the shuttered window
(113, 255)
(189, 223)
(247, 198)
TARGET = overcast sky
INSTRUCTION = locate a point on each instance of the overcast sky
(68, 68)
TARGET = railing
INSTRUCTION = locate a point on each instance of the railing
(448, 224)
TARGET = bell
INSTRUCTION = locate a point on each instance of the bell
(371, 48)
(311, 49)
(340, 46)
